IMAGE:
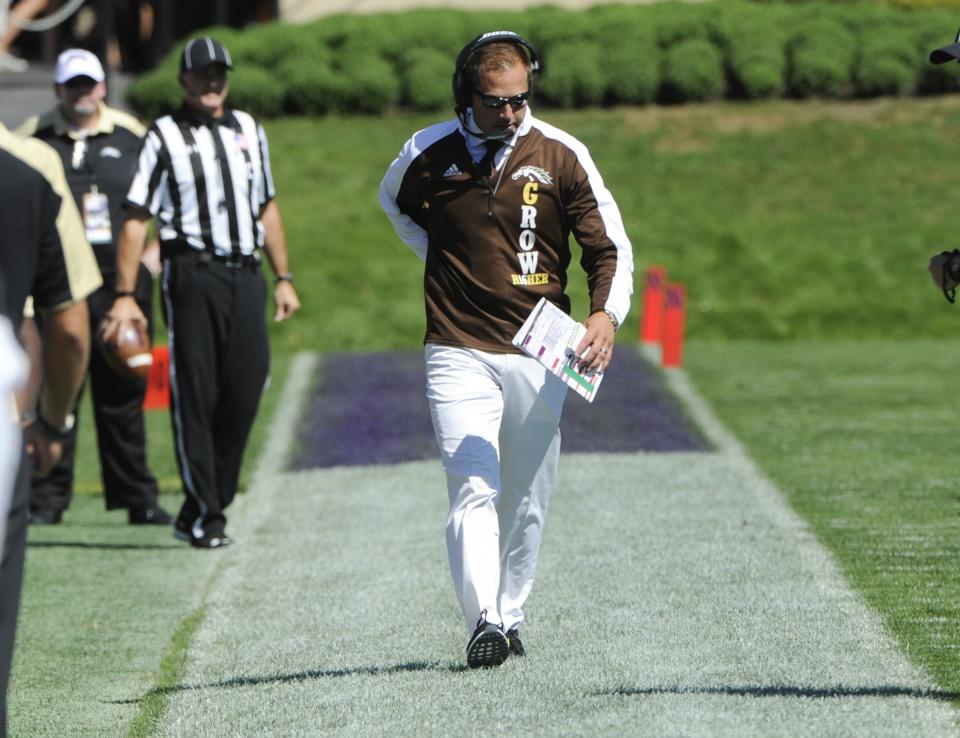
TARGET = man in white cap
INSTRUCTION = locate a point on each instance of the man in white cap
(98, 146)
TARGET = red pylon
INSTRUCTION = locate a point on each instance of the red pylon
(157, 396)
(674, 321)
(651, 324)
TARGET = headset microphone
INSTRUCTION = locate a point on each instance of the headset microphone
(461, 84)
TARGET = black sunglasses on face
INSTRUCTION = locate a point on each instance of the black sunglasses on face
(516, 102)
(78, 83)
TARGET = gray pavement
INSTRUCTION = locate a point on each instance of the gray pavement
(31, 92)
(301, 11)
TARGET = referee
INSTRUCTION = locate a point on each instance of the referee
(204, 174)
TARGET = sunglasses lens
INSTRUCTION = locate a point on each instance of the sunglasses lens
(516, 102)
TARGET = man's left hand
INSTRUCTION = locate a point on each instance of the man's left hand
(596, 348)
(286, 300)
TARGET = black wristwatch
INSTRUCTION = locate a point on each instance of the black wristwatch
(285, 277)
(29, 418)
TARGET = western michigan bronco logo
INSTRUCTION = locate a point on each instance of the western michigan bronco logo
(532, 173)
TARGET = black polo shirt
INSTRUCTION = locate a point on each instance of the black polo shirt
(103, 160)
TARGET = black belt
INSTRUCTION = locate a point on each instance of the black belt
(240, 261)
(231, 261)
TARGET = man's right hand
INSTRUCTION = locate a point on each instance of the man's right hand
(124, 311)
(43, 449)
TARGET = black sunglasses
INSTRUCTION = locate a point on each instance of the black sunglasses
(516, 102)
(79, 82)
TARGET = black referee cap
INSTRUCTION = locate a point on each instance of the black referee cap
(946, 53)
(200, 53)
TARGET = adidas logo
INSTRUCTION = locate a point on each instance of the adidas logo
(452, 171)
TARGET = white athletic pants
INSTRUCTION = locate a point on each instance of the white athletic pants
(496, 419)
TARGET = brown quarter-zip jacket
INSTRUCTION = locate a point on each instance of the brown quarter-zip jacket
(494, 245)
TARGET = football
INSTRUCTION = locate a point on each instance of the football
(129, 353)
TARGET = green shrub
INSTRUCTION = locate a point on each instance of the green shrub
(754, 47)
(692, 70)
(256, 91)
(155, 94)
(886, 63)
(632, 73)
(674, 23)
(932, 30)
(555, 28)
(371, 85)
(629, 55)
(574, 76)
(625, 54)
(821, 53)
(816, 70)
(426, 79)
(279, 43)
(312, 89)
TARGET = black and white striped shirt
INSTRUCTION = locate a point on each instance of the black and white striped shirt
(206, 182)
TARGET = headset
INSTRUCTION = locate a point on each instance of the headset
(462, 89)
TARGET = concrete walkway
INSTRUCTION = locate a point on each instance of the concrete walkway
(301, 11)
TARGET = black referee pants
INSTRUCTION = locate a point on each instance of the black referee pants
(118, 412)
(11, 579)
(220, 360)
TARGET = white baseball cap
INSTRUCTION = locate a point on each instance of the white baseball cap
(77, 63)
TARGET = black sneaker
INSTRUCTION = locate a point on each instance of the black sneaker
(150, 515)
(218, 540)
(181, 530)
(516, 645)
(45, 517)
(488, 645)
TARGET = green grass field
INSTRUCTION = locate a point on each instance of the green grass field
(810, 222)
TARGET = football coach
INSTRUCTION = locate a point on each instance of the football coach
(488, 200)
(204, 174)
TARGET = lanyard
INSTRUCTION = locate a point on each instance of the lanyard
(79, 161)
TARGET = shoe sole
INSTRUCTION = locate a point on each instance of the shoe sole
(489, 649)
(182, 535)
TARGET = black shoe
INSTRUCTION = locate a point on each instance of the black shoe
(488, 645)
(181, 530)
(220, 540)
(45, 517)
(152, 515)
(516, 645)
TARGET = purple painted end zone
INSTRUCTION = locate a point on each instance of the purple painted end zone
(372, 409)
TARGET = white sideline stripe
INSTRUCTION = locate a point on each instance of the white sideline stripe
(775, 505)
(280, 436)
(286, 417)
